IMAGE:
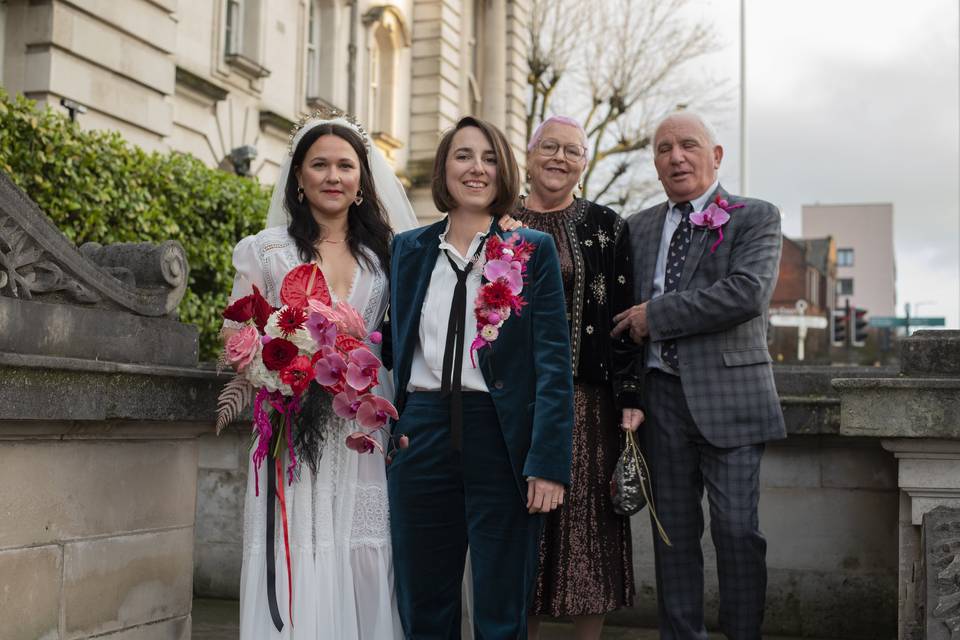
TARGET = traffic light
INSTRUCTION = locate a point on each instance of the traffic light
(858, 332)
(838, 327)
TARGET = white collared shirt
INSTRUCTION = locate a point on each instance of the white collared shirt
(659, 273)
(426, 370)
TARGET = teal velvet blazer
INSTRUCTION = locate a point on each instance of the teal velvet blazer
(527, 368)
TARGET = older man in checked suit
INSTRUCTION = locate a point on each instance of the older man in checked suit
(709, 394)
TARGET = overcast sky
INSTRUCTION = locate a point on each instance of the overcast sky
(853, 101)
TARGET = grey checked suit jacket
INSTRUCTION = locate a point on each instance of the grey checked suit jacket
(718, 315)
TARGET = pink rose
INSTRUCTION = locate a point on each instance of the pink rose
(242, 347)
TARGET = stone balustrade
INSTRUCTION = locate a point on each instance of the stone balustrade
(101, 401)
(916, 417)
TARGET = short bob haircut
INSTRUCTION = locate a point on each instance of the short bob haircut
(508, 172)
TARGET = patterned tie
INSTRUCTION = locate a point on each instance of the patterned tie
(676, 256)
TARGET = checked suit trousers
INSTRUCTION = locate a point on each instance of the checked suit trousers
(682, 462)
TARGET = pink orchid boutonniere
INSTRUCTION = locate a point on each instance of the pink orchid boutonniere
(714, 216)
(506, 264)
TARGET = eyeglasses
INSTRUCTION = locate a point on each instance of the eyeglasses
(549, 148)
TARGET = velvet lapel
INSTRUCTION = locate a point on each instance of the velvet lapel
(415, 266)
(484, 357)
(697, 245)
(652, 230)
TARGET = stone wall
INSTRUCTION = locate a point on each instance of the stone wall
(828, 509)
(100, 404)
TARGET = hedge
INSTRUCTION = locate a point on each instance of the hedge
(96, 187)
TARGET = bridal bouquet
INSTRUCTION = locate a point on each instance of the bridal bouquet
(297, 364)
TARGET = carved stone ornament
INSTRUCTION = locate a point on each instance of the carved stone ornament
(37, 262)
(941, 533)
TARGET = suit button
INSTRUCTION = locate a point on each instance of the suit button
(498, 385)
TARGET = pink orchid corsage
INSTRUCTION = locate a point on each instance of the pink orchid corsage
(714, 216)
(506, 264)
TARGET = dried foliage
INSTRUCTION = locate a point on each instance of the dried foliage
(234, 398)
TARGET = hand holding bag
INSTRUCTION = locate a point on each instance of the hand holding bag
(630, 485)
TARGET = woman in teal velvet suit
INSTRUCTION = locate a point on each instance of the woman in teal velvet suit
(489, 443)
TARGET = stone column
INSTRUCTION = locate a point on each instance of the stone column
(917, 418)
(494, 88)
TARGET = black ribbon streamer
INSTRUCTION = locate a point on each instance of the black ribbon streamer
(271, 553)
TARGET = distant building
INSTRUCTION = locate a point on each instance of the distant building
(863, 235)
(804, 295)
(224, 80)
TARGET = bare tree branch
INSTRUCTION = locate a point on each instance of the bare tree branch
(620, 65)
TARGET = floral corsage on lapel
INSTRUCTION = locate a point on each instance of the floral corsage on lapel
(506, 265)
(714, 216)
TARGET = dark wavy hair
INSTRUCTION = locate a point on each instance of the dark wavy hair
(367, 224)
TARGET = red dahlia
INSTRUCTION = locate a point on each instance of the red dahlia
(291, 319)
(496, 295)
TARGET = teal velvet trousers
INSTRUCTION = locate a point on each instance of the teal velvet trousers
(441, 502)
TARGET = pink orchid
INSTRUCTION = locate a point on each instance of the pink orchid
(375, 411)
(346, 404)
(714, 216)
(501, 269)
(362, 369)
(322, 329)
(363, 443)
(331, 368)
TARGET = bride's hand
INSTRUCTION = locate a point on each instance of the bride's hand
(509, 223)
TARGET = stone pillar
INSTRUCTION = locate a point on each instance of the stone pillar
(917, 418)
(100, 404)
(494, 90)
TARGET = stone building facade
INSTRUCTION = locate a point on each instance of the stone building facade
(222, 79)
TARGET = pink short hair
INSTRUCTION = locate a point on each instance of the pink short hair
(538, 132)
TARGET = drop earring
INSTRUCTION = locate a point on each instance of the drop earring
(300, 193)
(359, 199)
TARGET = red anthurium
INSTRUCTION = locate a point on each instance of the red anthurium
(303, 284)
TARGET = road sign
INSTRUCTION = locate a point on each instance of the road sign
(811, 322)
(885, 322)
(927, 322)
(882, 322)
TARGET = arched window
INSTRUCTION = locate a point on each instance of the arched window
(387, 35)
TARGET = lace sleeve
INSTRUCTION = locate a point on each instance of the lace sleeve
(248, 273)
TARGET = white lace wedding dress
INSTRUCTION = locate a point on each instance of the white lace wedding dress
(340, 551)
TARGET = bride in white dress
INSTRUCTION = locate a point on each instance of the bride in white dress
(336, 194)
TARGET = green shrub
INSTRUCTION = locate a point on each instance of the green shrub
(97, 187)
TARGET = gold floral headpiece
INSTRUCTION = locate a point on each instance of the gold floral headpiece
(326, 113)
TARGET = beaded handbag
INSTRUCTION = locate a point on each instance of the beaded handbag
(630, 485)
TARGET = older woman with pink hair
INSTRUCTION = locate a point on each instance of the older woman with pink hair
(586, 564)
